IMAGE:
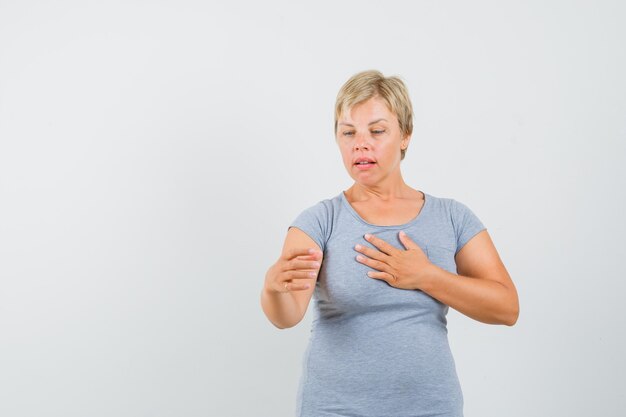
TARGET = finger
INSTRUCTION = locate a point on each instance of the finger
(294, 286)
(380, 244)
(292, 253)
(296, 264)
(385, 276)
(407, 242)
(372, 263)
(315, 257)
(289, 275)
(371, 253)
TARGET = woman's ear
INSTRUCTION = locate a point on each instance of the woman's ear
(405, 142)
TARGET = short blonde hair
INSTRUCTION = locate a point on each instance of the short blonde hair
(368, 84)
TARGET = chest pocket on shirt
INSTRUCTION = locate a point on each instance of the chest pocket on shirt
(442, 257)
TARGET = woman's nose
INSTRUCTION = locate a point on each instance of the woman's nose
(361, 144)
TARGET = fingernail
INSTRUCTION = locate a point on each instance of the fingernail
(311, 250)
(359, 258)
(402, 233)
(358, 247)
(367, 236)
(312, 274)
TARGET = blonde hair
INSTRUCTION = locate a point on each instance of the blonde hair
(368, 84)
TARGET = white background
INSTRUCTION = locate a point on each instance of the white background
(152, 155)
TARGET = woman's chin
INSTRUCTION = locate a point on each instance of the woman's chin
(364, 179)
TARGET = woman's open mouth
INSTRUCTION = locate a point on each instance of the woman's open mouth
(364, 163)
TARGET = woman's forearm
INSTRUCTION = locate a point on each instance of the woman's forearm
(484, 300)
(281, 309)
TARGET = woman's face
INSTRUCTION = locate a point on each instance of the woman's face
(370, 140)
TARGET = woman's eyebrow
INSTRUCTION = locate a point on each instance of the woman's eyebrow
(369, 124)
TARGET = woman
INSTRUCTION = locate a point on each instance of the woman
(384, 261)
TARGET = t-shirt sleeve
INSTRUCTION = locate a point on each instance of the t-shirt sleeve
(315, 222)
(466, 224)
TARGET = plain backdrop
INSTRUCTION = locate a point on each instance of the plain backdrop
(153, 154)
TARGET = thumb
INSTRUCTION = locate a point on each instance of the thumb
(407, 242)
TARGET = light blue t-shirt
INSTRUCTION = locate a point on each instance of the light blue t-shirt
(376, 350)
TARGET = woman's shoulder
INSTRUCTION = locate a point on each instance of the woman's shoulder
(318, 219)
(440, 202)
(447, 203)
(464, 222)
(452, 209)
(322, 210)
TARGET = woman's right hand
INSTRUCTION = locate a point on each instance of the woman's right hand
(294, 271)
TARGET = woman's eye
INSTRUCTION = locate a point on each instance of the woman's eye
(348, 133)
(378, 132)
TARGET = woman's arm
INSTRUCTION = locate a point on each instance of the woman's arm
(290, 282)
(483, 290)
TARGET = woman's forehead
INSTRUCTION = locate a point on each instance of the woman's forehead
(368, 111)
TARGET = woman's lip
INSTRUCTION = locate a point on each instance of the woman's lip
(364, 167)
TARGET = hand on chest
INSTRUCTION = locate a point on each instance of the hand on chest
(343, 281)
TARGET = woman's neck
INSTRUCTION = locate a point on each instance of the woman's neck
(361, 192)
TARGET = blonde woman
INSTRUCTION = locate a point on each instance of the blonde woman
(383, 262)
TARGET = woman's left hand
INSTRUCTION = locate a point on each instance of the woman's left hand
(407, 269)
